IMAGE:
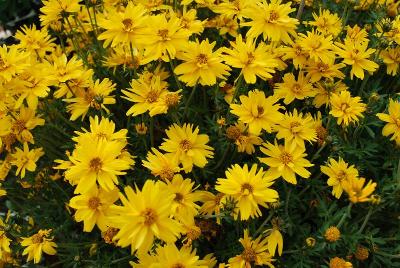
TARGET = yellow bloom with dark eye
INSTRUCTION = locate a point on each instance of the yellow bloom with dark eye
(255, 253)
(12, 61)
(232, 9)
(243, 138)
(272, 20)
(23, 122)
(295, 52)
(345, 108)
(52, 10)
(317, 46)
(291, 89)
(38, 243)
(357, 191)
(285, 161)
(296, 128)
(161, 165)
(164, 37)
(64, 70)
(189, 21)
(324, 91)
(338, 172)
(147, 96)
(93, 206)
(100, 162)
(316, 70)
(253, 60)
(96, 96)
(169, 256)
(188, 146)
(249, 188)
(391, 57)
(327, 23)
(392, 119)
(123, 27)
(357, 55)
(145, 215)
(201, 64)
(259, 112)
(35, 40)
(25, 159)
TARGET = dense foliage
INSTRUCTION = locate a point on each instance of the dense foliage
(202, 133)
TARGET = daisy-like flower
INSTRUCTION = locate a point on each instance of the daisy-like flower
(275, 239)
(255, 253)
(99, 161)
(358, 191)
(317, 46)
(144, 216)
(324, 91)
(52, 11)
(12, 61)
(259, 112)
(391, 57)
(295, 52)
(38, 243)
(183, 205)
(23, 122)
(337, 262)
(96, 96)
(190, 22)
(188, 146)
(163, 38)
(296, 128)
(392, 119)
(272, 20)
(249, 188)
(169, 256)
(357, 55)
(339, 172)
(285, 161)
(291, 89)
(316, 70)
(232, 9)
(64, 70)
(345, 108)
(254, 61)
(147, 96)
(243, 138)
(161, 165)
(122, 27)
(327, 23)
(26, 159)
(93, 206)
(35, 40)
(212, 204)
(201, 64)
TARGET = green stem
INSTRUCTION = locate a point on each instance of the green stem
(301, 8)
(151, 131)
(259, 229)
(365, 220)
(345, 215)
(317, 152)
(171, 64)
(185, 111)
(133, 61)
(222, 159)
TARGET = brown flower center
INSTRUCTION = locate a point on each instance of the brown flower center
(166, 173)
(322, 67)
(178, 197)
(296, 88)
(94, 203)
(273, 16)
(286, 158)
(249, 255)
(152, 96)
(185, 145)
(246, 189)
(128, 25)
(150, 216)
(37, 238)
(202, 59)
(260, 111)
(96, 164)
(293, 125)
(178, 265)
(250, 57)
(164, 34)
(344, 107)
(342, 175)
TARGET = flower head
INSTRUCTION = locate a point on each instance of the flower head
(345, 108)
(38, 243)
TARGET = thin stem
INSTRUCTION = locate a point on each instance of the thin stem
(345, 215)
(259, 229)
(365, 220)
(301, 8)
(185, 111)
(133, 60)
(317, 152)
(222, 159)
(151, 131)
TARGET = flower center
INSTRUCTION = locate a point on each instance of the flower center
(344, 107)
(250, 58)
(163, 33)
(286, 158)
(273, 16)
(246, 189)
(260, 111)
(293, 125)
(166, 173)
(185, 145)
(96, 164)
(94, 203)
(150, 216)
(178, 197)
(3, 64)
(249, 255)
(341, 175)
(178, 265)
(18, 126)
(322, 67)
(37, 238)
(296, 88)
(128, 25)
(152, 96)
(202, 60)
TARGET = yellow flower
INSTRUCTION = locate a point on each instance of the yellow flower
(391, 57)
(271, 20)
(35, 40)
(285, 161)
(99, 161)
(317, 46)
(38, 243)
(329, 70)
(392, 119)
(64, 70)
(163, 38)
(259, 112)
(187, 145)
(161, 165)
(96, 96)
(249, 188)
(144, 216)
(123, 27)
(332, 234)
(3, 192)
(251, 59)
(169, 256)
(275, 239)
(356, 55)
(201, 64)
(357, 191)
(295, 52)
(296, 128)
(327, 23)
(92, 207)
(361, 253)
(338, 172)
(255, 253)
(52, 10)
(12, 62)
(337, 262)
(4, 242)
(212, 204)
(141, 128)
(291, 89)
(23, 122)
(345, 108)
(25, 159)
(232, 9)
(147, 96)
(189, 22)
(324, 91)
